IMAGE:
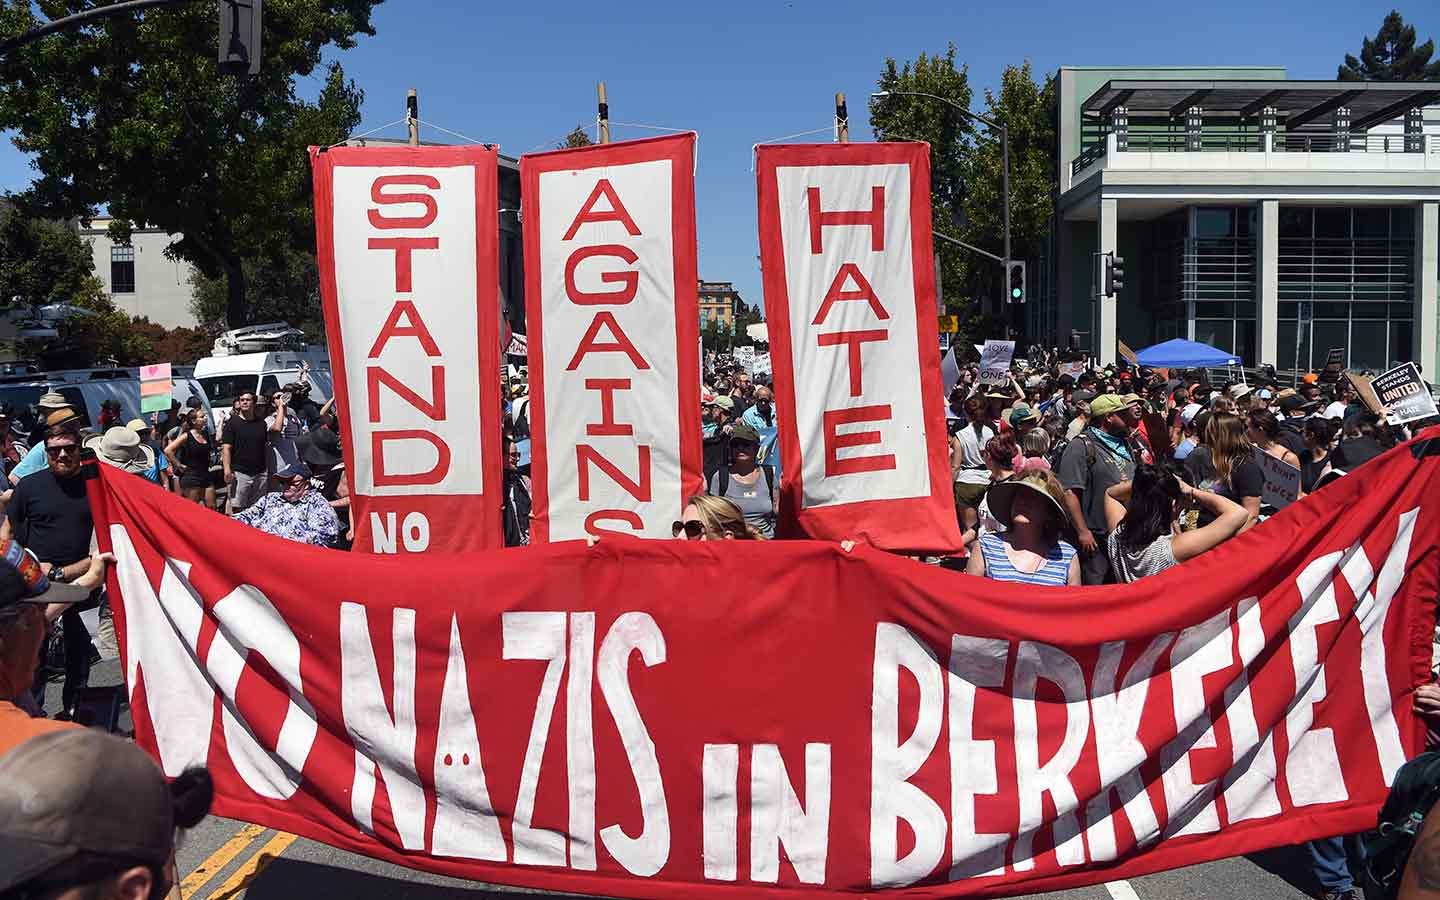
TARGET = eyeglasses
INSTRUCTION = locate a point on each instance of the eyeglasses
(693, 528)
(62, 450)
(513, 454)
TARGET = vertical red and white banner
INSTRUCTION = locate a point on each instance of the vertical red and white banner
(610, 298)
(845, 245)
(409, 258)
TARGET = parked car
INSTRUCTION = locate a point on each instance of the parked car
(86, 389)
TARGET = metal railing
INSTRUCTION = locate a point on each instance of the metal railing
(1211, 141)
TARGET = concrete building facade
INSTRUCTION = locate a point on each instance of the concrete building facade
(1270, 217)
(139, 278)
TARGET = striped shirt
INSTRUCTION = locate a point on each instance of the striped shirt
(1055, 571)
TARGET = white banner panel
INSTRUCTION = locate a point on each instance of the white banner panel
(611, 299)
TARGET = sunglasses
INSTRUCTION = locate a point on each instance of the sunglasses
(62, 450)
(693, 529)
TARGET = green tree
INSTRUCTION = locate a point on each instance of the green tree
(577, 138)
(950, 136)
(1392, 56)
(1028, 111)
(45, 262)
(132, 114)
(284, 287)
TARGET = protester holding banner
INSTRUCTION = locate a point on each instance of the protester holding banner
(294, 511)
(1365, 437)
(516, 496)
(1263, 431)
(1142, 515)
(1030, 550)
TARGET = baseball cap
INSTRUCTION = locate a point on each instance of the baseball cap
(1131, 399)
(744, 431)
(725, 403)
(1105, 404)
(1294, 402)
(1310, 378)
(1263, 393)
(1083, 396)
(36, 587)
(77, 791)
(1188, 414)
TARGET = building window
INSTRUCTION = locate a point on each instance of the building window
(122, 269)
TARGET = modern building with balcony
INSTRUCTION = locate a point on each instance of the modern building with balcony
(1272, 218)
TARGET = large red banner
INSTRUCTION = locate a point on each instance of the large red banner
(408, 247)
(610, 296)
(845, 247)
(766, 719)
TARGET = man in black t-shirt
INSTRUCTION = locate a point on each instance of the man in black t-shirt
(243, 444)
(49, 515)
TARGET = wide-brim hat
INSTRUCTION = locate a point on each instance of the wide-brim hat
(1001, 499)
(52, 400)
(322, 448)
(122, 448)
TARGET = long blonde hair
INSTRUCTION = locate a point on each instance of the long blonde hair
(723, 517)
(1225, 436)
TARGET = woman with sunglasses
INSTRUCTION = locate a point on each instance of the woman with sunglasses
(189, 456)
(745, 483)
(1030, 550)
(709, 518)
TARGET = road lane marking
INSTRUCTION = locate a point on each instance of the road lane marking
(220, 858)
(251, 869)
(1121, 890)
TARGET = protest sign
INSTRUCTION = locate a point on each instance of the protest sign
(615, 370)
(1366, 390)
(620, 720)
(745, 357)
(1405, 393)
(949, 369)
(1073, 369)
(1127, 354)
(995, 362)
(845, 247)
(408, 247)
(1334, 365)
(517, 345)
(948, 324)
(155, 388)
(1282, 480)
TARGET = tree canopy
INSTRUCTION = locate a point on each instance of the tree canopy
(577, 138)
(132, 115)
(1392, 55)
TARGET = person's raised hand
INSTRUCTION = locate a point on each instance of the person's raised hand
(1427, 700)
(94, 576)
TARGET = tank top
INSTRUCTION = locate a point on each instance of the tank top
(1152, 559)
(194, 455)
(1055, 571)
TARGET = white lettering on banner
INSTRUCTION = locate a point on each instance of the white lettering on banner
(974, 663)
(380, 740)
(607, 277)
(1372, 611)
(1034, 780)
(580, 740)
(414, 532)
(777, 817)
(540, 636)
(1250, 793)
(1199, 651)
(720, 775)
(465, 821)
(849, 275)
(893, 762)
(405, 243)
(1312, 766)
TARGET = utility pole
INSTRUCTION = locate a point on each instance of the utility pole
(412, 116)
(604, 113)
(842, 120)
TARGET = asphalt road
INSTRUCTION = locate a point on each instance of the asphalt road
(223, 859)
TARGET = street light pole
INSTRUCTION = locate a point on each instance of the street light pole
(1004, 152)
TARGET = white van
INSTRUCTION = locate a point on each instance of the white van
(262, 359)
(86, 390)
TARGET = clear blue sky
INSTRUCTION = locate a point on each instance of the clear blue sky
(523, 74)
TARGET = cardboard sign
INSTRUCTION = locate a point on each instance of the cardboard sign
(1128, 355)
(949, 324)
(1365, 389)
(949, 370)
(1073, 369)
(1405, 393)
(155, 388)
(1282, 480)
(995, 362)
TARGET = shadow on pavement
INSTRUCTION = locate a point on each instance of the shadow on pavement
(285, 879)
(1292, 864)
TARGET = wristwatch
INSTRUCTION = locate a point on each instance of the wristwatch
(57, 574)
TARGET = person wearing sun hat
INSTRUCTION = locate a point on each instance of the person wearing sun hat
(1030, 549)
(29, 602)
(54, 410)
(121, 447)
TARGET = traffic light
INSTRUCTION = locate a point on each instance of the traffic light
(1017, 282)
(240, 37)
(1117, 274)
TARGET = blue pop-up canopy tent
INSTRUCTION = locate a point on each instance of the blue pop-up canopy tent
(1183, 354)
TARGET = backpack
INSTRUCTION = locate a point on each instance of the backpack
(1387, 848)
(723, 474)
